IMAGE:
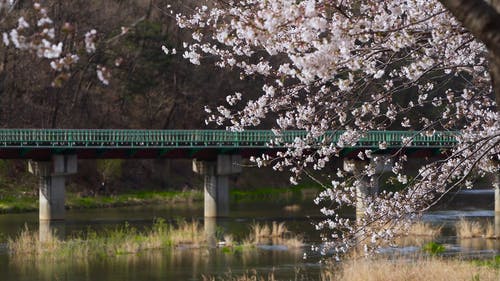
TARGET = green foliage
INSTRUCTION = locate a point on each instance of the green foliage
(491, 263)
(16, 201)
(110, 168)
(292, 194)
(132, 198)
(433, 248)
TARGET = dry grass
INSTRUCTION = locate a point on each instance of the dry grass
(292, 208)
(277, 234)
(489, 232)
(469, 229)
(278, 229)
(432, 269)
(293, 242)
(424, 229)
(249, 276)
(127, 239)
(228, 240)
(260, 230)
(122, 240)
(248, 242)
(188, 233)
(474, 229)
(419, 270)
(28, 242)
(265, 231)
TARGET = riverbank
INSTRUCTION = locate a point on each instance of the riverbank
(20, 201)
(293, 194)
(23, 201)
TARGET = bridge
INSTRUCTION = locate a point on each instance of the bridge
(42, 144)
(217, 154)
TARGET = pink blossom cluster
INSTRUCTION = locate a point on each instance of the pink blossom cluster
(38, 35)
(356, 66)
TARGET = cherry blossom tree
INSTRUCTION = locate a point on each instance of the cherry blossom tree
(354, 66)
(37, 33)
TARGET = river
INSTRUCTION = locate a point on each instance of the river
(193, 264)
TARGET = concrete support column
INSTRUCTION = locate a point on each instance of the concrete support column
(362, 194)
(369, 186)
(52, 197)
(216, 186)
(216, 196)
(52, 177)
(496, 186)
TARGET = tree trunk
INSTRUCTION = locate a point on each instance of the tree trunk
(483, 21)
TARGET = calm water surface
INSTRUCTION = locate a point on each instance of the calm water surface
(193, 264)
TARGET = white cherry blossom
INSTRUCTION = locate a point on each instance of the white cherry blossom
(351, 66)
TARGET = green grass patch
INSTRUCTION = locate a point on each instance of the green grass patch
(291, 194)
(433, 248)
(132, 198)
(490, 263)
(16, 201)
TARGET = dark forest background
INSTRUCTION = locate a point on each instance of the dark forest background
(147, 90)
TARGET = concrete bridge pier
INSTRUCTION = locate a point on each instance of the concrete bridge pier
(496, 186)
(369, 185)
(216, 176)
(52, 176)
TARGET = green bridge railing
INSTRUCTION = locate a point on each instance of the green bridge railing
(74, 138)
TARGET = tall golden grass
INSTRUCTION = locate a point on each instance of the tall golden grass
(434, 269)
(112, 242)
(258, 231)
(265, 231)
(424, 229)
(474, 229)
(127, 239)
(277, 233)
(252, 275)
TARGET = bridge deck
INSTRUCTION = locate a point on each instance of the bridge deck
(103, 143)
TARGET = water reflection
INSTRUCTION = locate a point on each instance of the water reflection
(413, 240)
(210, 227)
(184, 264)
(479, 244)
(270, 255)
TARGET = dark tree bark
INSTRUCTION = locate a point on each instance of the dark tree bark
(483, 21)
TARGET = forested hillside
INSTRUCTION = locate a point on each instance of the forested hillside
(145, 88)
